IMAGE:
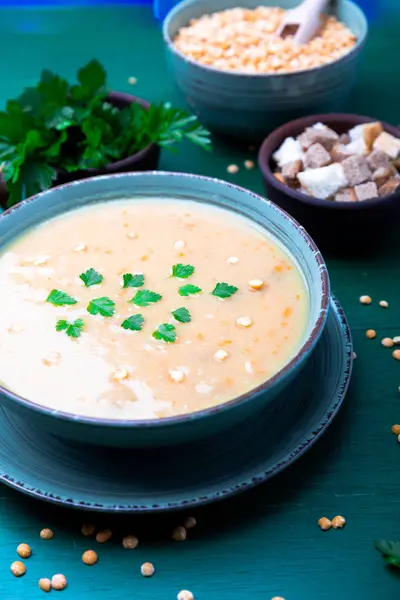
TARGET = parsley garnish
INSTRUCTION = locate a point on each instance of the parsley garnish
(224, 290)
(91, 277)
(145, 298)
(55, 126)
(390, 551)
(189, 290)
(182, 271)
(59, 298)
(101, 306)
(182, 315)
(73, 330)
(133, 323)
(130, 280)
(165, 332)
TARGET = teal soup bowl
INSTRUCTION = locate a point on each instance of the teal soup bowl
(134, 186)
(249, 106)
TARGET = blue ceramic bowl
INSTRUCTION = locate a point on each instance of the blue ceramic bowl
(250, 106)
(175, 430)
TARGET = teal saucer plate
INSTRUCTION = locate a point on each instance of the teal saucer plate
(135, 481)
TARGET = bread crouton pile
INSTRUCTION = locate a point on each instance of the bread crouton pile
(359, 165)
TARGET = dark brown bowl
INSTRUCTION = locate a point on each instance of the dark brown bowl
(144, 160)
(335, 226)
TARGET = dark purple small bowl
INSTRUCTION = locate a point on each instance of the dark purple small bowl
(335, 226)
(144, 160)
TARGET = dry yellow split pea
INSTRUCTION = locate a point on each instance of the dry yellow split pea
(89, 557)
(132, 80)
(277, 598)
(256, 284)
(45, 584)
(338, 522)
(365, 299)
(354, 355)
(249, 164)
(371, 334)
(46, 534)
(103, 536)
(58, 582)
(387, 342)
(396, 339)
(325, 524)
(243, 321)
(88, 529)
(245, 40)
(185, 595)
(24, 550)
(396, 429)
(130, 542)
(147, 569)
(232, 169)
(384, 304)
(18, 568)
(179, 534)
(396, 354)
(398, 438)
(189, 523)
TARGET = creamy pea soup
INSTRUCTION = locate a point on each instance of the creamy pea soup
(146, 309)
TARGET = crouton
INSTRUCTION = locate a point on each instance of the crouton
(356, 170)
(378, 159)
(339, 153)
(388, 144)
(289, 151)
(366, 191)
(356, 133)
(290, 172)
(382, 175)
(317, 157)
(319, 126)
(324, 136)
(323, 182)
(357, 147)
(346, 195)
(371, 132)
(344, 139)
(390, 187)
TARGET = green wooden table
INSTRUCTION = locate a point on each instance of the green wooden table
(265, 542)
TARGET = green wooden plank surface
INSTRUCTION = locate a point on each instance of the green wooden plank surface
(265, 542)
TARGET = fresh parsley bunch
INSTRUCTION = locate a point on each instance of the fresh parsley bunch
(56, 125)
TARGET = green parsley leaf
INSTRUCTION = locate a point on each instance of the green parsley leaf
(91, 277)
(224, 290)
(182, 315)
(165, 332)
(182, 271)
(101, 306)
(92, 78)
(133, 323)
(145, 298)
(57, 126)
(189, 290)
(73, 330)
(59, 298)
(130, 280)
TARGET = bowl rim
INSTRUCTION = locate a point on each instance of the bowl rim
(225, 73)
(305, 349)
(274, 140)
